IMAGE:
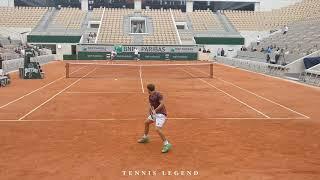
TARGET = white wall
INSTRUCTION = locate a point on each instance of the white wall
(65, 49)
(7, 3)
(189, 6)
(265, 5)
(227, 49)
(268, 5)
(251, 36)
(137, 4)
(84, 5)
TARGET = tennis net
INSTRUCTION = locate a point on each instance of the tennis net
(104, 70)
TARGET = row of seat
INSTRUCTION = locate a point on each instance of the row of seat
(302, 38)
(71, 18)
(97, 14)
(111, 29)
(27, 17)
(204, 21)
(164, 30)
(179, 16)
(268, 20)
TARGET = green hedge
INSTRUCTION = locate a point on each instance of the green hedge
(52, 39)
(219, 40)
(70, 57)
(143, 56)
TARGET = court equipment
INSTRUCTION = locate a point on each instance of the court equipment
(137, 71)
(30, 70)
(4, 80)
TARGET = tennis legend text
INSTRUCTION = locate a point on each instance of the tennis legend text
(159, 173)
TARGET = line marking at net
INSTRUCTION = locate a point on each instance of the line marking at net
(261, 97)
(101, 92)
(56, 94)
(228, 95)
(141, 81)
(142, 118)
(143, 65)
(38, 89)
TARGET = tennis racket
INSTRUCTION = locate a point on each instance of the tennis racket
(151, 113)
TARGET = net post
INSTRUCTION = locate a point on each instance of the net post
(67, 70)
(211, 70)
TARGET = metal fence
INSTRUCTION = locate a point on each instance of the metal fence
(15, 64)
(260, 67)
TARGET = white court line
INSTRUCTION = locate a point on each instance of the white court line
(228, 95)
(56, 94)
(141, 119)
(261, 97)
(141, 81)
(37, 89)
(274, 77)
(97, 92)
(280, 118)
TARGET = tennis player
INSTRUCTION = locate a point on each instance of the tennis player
(136, 54)
(158, 114)
(113, 55)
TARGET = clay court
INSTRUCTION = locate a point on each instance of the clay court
(237, 125)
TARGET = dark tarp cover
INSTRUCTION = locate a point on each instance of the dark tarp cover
(310, 62)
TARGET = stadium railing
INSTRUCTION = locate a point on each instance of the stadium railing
(15, 64)
(260, 67)
(311, 76)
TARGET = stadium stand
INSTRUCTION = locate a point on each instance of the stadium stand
(97, 14)
(277, 18)
(9, 50)
(8, 54)
(111, 30)
(302, 39)
(204, 20)
(71, 18)
(261, 57)
(164, 30)
(179, 16)
(27, 17)
(186, 36)
(162, 21)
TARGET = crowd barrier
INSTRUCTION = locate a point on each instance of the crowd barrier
(14, 64)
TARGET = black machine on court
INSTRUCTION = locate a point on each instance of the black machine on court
(4, 80)
(30, 70)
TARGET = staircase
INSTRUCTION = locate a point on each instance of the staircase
(225, 23)
(44, 22)
(187, 32)
(186, 36)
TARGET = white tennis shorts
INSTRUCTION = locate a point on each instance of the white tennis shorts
(159, 119)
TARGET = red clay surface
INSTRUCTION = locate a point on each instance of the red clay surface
(235, 126)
